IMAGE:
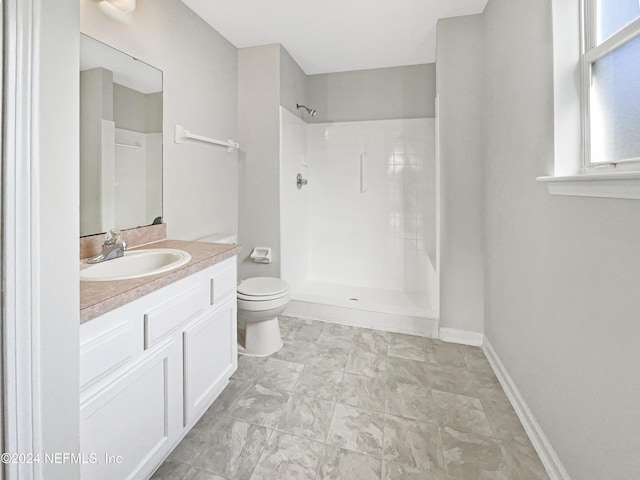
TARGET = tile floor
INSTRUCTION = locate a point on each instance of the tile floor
(345, 403)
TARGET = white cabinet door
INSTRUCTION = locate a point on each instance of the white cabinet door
(129, 423)
(210, 357)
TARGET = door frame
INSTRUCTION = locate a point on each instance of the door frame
(20, 239)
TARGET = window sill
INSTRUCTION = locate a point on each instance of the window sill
(612, 185)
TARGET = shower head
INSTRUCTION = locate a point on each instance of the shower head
(310, 111)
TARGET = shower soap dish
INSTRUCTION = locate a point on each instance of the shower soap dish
(261, 255)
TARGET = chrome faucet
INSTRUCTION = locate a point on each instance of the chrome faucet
(113, 247)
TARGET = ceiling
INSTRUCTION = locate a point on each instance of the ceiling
(337, 35)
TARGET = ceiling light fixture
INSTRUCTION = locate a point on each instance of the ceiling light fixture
(125, 6)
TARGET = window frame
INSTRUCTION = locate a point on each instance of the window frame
(591, 52)
(568, 176)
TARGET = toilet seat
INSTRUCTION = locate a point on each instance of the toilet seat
(263, 298)
(262, 289)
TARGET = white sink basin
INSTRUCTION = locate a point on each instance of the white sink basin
(134, 264)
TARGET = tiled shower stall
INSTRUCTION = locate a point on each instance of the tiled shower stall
(359, 240)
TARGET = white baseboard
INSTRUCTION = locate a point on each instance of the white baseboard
(464, 337)
(547, 454)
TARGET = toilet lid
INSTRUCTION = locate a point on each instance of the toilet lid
(262, 288)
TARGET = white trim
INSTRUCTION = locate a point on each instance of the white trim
(587, 27)
(571, 75)
(2, 360)
(567, 115)
(20, 266)
(435, 301)
(547, 454)
(463, 337)
(612, 185)
(617, 40)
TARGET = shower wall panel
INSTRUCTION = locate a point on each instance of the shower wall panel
(294, 210)
(130, 171)
(371, 205)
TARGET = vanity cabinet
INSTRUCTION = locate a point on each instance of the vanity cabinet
(151, 368)
(209, 343)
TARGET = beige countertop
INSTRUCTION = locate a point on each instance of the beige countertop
(97, 298)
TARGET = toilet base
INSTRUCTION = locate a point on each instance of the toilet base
(262, 338)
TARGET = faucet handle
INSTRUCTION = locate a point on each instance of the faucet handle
(112, 237)
(117, 239)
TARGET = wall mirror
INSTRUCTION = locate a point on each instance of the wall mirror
(120, 139)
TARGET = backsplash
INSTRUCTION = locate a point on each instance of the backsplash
(134, 237)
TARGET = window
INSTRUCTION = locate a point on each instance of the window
(611, 85)
(596, 122)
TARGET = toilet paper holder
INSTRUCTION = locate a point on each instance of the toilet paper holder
(261, 255)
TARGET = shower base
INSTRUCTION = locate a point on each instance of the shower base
(380, 309)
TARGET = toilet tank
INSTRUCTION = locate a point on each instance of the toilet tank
(219, 238)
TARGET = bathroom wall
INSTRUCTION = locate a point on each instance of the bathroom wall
(294, 87)
(267, 77)
(376, 94)
(137, 111)
(56, 217)
(562, 294)
(200, 180)
(459, 78)
(96, 106)
(259, 160)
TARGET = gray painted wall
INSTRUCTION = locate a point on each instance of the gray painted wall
(133, 110)
(377, 94)
(129, 108)
(259, 176)
(268, 77)
(294, 87)
(200, 93)
(96, 104)
(154, 112)
(58, 220)
(563, 294)
(459, 78)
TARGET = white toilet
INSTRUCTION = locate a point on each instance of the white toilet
(260, 301)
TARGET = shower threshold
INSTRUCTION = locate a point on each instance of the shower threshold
(390, 310)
